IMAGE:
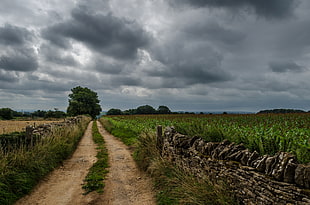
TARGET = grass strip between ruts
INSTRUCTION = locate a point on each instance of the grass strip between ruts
(94, 180)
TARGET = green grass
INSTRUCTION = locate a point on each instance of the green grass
(126, 135)
(96, 175)
(21, 169)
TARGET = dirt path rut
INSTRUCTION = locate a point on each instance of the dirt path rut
(125, 184)
(63, 185)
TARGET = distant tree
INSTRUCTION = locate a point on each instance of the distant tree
(146, 109)
(6, 113)
(55, 114)
(83, 101)
(39, 113)
(130, 112)
(280, 111)
(17, 114)
(114, 111)
(163, 110)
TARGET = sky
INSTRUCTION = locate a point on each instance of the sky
(190, 55)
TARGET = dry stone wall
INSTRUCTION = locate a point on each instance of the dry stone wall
(254, 179)
(44, 129)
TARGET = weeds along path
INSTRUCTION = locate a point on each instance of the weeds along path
(64, 185)
(125, 184)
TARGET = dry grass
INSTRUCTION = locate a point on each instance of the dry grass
(9, 126)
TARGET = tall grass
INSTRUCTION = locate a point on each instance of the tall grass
(175, 185)
(21, 169)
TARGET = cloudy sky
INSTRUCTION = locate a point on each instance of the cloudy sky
(193, 55)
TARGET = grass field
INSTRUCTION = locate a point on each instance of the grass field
(8, 126)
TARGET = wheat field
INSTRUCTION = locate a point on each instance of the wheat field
(8, 126)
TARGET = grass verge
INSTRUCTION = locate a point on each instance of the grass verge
(173, 184)
(96, 175)
(21, 169)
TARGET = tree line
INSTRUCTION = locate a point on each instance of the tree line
(281, 111)
(8, 114)
(141, 110)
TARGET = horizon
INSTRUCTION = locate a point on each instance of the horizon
(188, 55)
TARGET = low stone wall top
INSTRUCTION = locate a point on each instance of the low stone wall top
(256, 179)
(44, 129)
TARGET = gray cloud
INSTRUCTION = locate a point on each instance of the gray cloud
(56, 56)
(107, 66)
(53, 34)
(13, 35)
(270, 9)
(106, 34)
(23, 60)
(188, 61)
(194, 55)
(212, 31)
(125, 80)
(7, 76)
(285, 66)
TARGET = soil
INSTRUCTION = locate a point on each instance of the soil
(125, 184)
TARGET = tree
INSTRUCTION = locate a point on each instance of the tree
(163, 110)
(6, 113)
(83, 101)
(146, 109)
(114, 111)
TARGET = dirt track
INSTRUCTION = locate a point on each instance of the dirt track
(125, 185)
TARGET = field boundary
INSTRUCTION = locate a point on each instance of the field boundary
(236, 166)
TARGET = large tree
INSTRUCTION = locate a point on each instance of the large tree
(83, 101)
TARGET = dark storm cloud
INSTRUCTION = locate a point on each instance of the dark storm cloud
(125, 80)
(53, 34)
(189, 62)
(18, 55)
(106, 34)
(285, 66)
(7, 76)
(212, 31)
(106, 67)
(56, 56)
(19, 61)
(266, 8)
(13, 35)
(191, 72)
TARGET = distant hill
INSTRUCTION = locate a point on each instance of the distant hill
(281, 111)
